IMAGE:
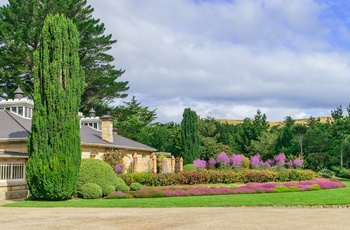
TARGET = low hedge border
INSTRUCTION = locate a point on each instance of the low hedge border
(216, 177)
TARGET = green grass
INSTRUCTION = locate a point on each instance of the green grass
(339, 196)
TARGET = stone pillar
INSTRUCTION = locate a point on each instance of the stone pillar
(107, 127)
(135, 162)
(154, 161)
(172, 164)
(181, 164)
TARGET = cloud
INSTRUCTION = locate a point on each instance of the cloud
(229, 58)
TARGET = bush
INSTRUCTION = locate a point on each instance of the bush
(91, 191)
(98, 172)
(135, 186)
(122, 187)
(189, 168)
(110, 189)
(119, 195)
(326, 173)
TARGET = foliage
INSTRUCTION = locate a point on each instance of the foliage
(122, 187)
(54, 143)
(189, 168)
(190, 138)
(91, 191)
(98, 172)
(119, 195)
(113, 157)
(135, 186)
(20, 25)
(132, 119)
(215, 176)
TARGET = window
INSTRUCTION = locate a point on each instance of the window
(12, 171)
(14, 109)
(20, 111)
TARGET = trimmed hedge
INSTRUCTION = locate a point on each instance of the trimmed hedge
(91, 191)
(135, 186)
(98, 172)
(216, 177)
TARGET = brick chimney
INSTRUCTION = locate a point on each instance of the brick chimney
(107, 127)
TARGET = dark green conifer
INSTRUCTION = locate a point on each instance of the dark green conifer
(54, 143)
(190, 136)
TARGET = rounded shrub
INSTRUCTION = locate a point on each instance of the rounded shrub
(246, 163)
(98, 172)
(189, 168)
(110, 189)
(91, 191)
(135, 186)
(122, 187)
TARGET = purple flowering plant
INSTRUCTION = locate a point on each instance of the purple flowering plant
(223, 159)
(237, 160)
(199, 164)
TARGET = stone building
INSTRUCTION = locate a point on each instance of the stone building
(97, 138)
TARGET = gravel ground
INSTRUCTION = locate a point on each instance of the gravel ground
(175, 218)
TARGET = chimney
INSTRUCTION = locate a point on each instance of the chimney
(107, 127)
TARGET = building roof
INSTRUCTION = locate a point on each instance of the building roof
(15, 127)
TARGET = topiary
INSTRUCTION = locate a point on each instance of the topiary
(98, 172)
(122, 187)
(135, 186)
(189, 168)
(110, 189)
(91, 191)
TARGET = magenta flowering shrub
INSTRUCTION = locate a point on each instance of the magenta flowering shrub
(223, 159)
(255, 161)
(212, 163)
(298, 163)
(237, 160)
(199, 164)
(249, 188)
(280, 159)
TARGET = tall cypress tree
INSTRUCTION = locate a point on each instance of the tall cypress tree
(20, 25)
(190, 136)
(54, 143)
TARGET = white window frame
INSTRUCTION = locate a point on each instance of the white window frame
(11, 171)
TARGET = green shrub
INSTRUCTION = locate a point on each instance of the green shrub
(122, 187)
(316, 187)
(326, 173)
(246, 163)
(98, 172)
(135, 186)
(91, 191)
(189, 168)
(110, 189)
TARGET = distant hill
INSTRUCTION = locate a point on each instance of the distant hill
(273, 123)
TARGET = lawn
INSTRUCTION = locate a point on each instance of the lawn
(339, 196)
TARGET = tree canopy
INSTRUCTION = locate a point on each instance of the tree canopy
(20, 25)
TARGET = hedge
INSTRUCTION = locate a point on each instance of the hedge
(216, 177)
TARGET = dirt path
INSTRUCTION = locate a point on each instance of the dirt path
(175, 218)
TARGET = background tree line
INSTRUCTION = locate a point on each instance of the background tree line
(321, 144)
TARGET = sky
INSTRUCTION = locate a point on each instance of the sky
(228, 58)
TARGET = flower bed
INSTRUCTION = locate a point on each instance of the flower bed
(249, 188)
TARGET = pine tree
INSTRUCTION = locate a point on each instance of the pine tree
(20, 26)
(54, 143)
(190, 136)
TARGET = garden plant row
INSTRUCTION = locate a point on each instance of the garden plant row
(218, 176)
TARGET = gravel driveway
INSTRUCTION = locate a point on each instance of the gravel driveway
(175, 218)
